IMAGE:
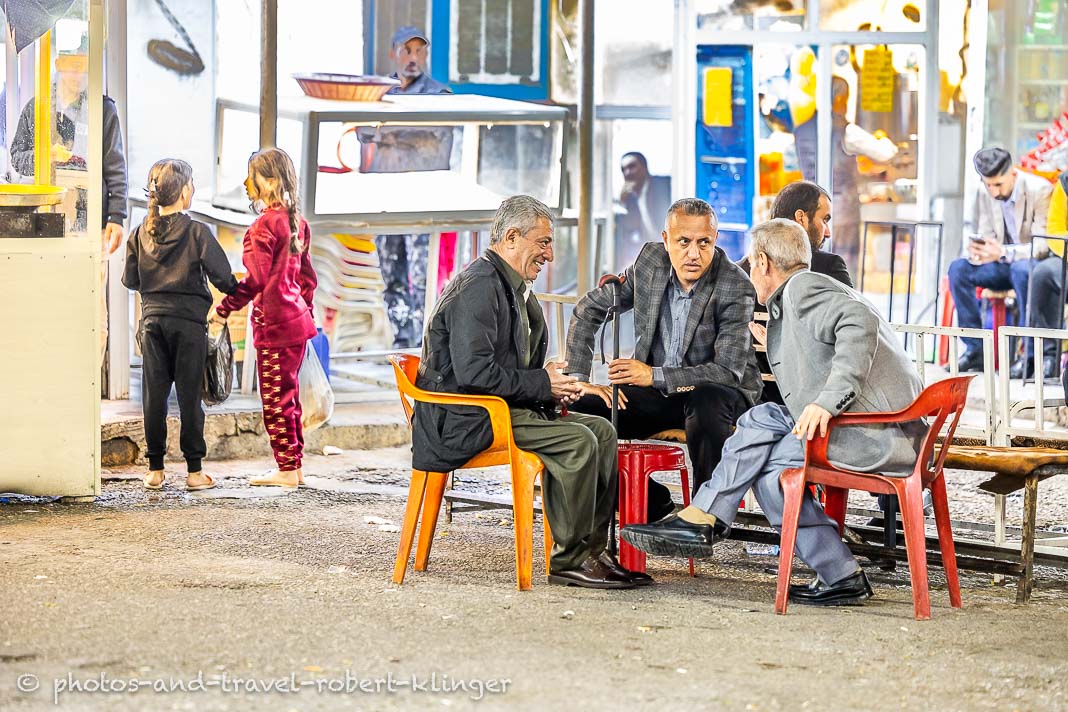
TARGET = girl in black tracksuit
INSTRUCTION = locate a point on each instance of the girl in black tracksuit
(167, 260)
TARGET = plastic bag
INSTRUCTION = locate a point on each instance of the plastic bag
(219, 368)
(316, 396)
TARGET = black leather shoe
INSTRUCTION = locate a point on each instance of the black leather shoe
(1023, 367)
(636, 577)
(675, 537)
(804, 588)
(1049, 366)
(850, 591)
(591, 573)
(970, 361)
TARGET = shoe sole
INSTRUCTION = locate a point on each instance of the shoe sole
(564, 581)
(852, 600)
(660, 547)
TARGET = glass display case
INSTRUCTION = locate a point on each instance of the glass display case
(50, 248)
(406, 158)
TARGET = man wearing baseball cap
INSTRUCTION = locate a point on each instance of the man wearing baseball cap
(409, 53)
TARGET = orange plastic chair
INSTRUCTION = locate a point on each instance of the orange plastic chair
(940, 401)
(427, 488)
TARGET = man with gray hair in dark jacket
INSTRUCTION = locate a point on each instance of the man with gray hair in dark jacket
(831, 352)
(487, 336)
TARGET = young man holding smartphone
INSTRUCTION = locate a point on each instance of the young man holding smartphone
(1012, 207)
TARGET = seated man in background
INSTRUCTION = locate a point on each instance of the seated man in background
(1012, 206)
(842, 356)
(809, 206)
(693, 365)
(487, 336)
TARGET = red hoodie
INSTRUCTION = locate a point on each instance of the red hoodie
(279, 284)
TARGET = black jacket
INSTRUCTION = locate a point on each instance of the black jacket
(114, 168)
(169, 271)
(473, 345)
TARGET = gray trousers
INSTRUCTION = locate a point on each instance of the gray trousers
(579, 484)
(753, 457)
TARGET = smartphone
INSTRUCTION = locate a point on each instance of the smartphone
(974, 237)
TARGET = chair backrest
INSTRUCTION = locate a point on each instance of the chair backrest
(405, 369)
(940, 401)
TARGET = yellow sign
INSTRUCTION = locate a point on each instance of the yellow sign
(877, 80)
(719, 102)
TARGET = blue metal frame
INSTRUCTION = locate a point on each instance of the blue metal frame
(440, 14)
(726, 156)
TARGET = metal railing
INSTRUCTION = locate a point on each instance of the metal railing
(989, 431)
(1008, 409)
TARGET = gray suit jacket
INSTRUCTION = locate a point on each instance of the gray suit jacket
(827, 345)
(716, 346)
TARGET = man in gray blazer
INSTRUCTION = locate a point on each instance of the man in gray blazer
(693, 365)
(841, 356)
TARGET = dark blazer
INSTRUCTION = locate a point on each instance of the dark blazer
(473, 345)
(716, 347)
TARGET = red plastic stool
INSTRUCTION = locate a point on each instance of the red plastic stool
(999, 315)
(637, 461)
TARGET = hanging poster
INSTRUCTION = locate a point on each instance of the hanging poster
(877, 80)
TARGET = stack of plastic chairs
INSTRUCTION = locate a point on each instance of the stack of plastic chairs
(349, 297)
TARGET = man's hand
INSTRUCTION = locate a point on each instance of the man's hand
(759, 332)
(628, 372)
(812, 417)
(216, 320)
(565, 389)
(985, 252)
(112, 237)
(630, 190)
(604, 393)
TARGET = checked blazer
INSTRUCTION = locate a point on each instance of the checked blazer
(716, 346)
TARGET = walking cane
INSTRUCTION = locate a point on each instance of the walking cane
(613, 314)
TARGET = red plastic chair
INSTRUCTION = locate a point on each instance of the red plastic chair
(637, 461)
(940, 401)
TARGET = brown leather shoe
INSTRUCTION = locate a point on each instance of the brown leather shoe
(637, 577)
(591, 573)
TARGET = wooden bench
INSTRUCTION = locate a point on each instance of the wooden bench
(1014, 468)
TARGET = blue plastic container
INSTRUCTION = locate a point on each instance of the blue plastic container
(321, 344)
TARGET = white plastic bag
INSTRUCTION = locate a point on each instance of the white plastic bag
(316, 395)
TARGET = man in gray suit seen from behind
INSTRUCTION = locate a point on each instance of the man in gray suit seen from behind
(831, 352)
(693, 365)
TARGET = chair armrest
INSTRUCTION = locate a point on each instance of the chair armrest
(496, 407)
(816, 448)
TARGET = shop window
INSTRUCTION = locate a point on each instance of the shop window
(633, 69)
(872, 15)
(498, 42)
(733, 15)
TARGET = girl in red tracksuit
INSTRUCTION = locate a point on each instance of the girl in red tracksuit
(280, 283)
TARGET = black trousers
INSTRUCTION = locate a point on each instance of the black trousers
(707, 414)
(174, 352)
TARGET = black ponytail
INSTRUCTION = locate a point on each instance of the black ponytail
(166, 180)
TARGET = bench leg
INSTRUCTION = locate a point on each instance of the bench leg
(1027, 546)
(999, 527)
